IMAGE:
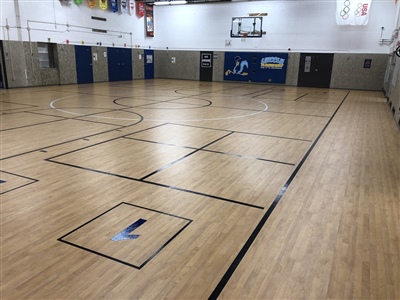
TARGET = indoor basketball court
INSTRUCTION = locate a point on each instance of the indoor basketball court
(172, 189)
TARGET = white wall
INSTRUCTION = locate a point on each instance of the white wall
(301, 25)
(54, 12)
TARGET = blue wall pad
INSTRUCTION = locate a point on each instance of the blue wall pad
(255, 67)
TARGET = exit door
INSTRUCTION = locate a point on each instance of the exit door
(119, 64)
(149, 64)
(315, 70)
(206, 65)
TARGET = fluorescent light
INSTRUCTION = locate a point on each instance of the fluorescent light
(170, 2)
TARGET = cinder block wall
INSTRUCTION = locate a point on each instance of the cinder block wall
(186, 65)
(348, 71)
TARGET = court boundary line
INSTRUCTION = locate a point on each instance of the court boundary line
(243, 132)
(20, 186)
(243, 251)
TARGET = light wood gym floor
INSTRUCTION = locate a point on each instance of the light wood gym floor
(168, 189)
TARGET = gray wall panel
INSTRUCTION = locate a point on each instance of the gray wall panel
(348, 71)
(292, 72)
(15, 65)
(394, 89)
(218, 67)
(50, 76)
(65, 60)
(100, 66)
(138, 63)
(186, 66)
(32, 64)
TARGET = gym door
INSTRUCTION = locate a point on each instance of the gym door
(119, 64)
(149, 64)
(315, 70)
(84, 68)
(206, 66)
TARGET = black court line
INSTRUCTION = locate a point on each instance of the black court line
(252, 157)
(183, 157)
(263, 94)
(270, 89)
(158, 143)
(244, 132)
(228, 274)
(300, 97)
(32, 125)
(207, 150)
(155, 102)
(16, 103)
(203, 194)
(296, 114)
(80, 117)
(238, 108)
(156, 184)
(21, 186)
(99, 143)
(51, 159)
(119, 260)
(73, 140)
(232, 88)
(331, 103)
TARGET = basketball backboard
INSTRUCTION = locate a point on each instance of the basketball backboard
(246, 27)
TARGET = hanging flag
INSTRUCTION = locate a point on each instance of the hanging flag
(92, 3)
(114, 5)
(66, 2)
(124, 7)
(352, 12)
(140, 9)
(149, 20)
(132, 7)
(103, 4)
(78, 2)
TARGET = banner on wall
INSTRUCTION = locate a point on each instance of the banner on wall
(256, 67)
(124, 6)
(140, 9)
(149, 20)
(92, 3)
(103, 4)
(114, 5)
(353, 12)
(66, 2)
(131, 7)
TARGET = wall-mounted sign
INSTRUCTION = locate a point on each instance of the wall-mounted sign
(307, 64)
(256, 67)
(272, 62)
(206, 60)
(367, 63)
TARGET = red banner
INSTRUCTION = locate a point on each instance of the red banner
(140, 9)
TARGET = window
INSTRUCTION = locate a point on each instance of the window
(46, 55)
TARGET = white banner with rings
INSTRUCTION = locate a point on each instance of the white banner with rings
(352, 12)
